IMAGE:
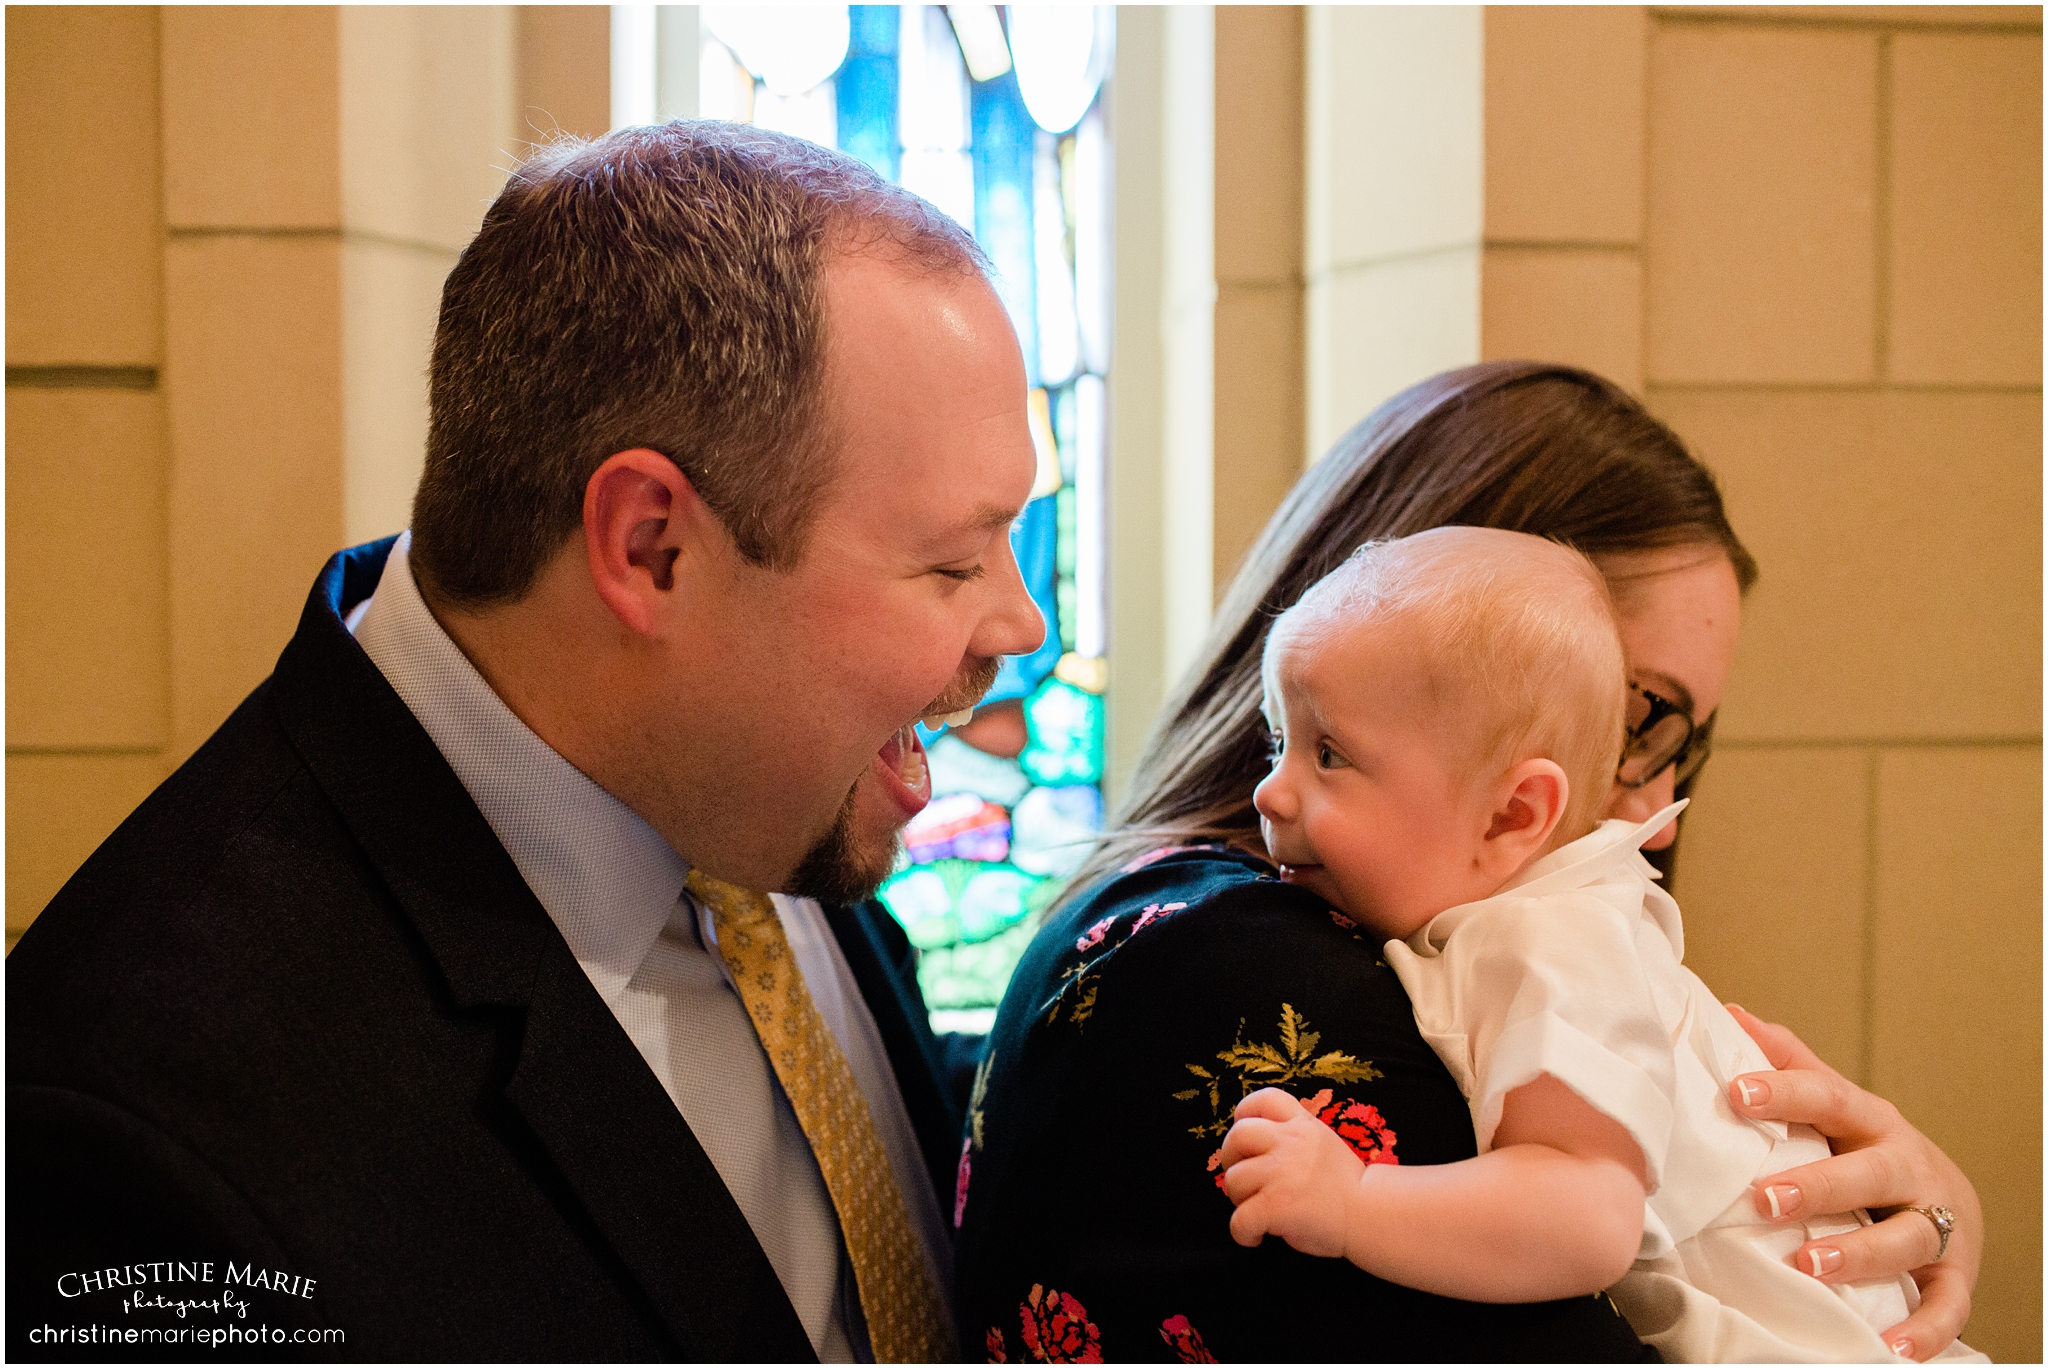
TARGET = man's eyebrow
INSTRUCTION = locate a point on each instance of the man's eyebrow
(989, 517)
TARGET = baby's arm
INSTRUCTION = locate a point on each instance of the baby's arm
(1554, 1210)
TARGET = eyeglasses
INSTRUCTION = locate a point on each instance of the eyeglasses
(1661, 735)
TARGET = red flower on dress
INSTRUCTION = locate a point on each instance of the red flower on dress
(1360, 1124)
(1094, 935)
(960, 1183)
(1342, 921)
(1185, 1341)
(1057, 1329)
(1215, 1165)
(996, 1353)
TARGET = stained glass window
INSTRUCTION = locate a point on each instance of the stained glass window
(994, 114)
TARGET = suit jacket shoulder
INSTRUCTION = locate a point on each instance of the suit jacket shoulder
(301, 1010)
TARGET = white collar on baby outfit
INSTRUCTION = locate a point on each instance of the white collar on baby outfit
(1611, 852)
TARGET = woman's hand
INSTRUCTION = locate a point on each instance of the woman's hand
(1881, 1162)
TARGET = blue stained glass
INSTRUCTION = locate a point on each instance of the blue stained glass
(1063, 434)
(971, 975)
(995, 900)
(962, 826)
(1036, 542)
(1052, 829)
(952, 901)
(866, 89)
(1065, 725)
(1004, 141)
(922, 900)
(958, 768)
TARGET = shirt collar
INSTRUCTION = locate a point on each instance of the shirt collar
(607, 879)
(1614, 844)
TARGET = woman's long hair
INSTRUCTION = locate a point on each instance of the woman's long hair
(1542, 449)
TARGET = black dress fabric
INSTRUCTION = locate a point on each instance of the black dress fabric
(1091, 1221)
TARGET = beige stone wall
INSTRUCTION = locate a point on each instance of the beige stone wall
(227, 234)
(1260, 396)
(1811, 238)
(1840, 263)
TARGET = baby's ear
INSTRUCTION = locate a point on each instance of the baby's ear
(1528, 804)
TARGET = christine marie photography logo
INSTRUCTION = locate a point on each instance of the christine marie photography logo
(186, 1302)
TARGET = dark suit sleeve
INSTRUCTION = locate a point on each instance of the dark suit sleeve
(1093, 1213)
(92, 1188)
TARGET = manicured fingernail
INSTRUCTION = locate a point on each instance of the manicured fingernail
(1752, 1092)
(1824, 1259)
(1903, 1348)
(1782, 1198)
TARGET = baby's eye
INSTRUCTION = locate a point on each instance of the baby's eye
(1327, 757)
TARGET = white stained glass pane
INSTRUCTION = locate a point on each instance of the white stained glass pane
(1092, 230)
(725, 89)
(1061, 52)
(981, 40)
(1090, 546)
(813, 114)
(632, 65)
(944, 178)
(790, 47)
(1058, 350)
(932, 92)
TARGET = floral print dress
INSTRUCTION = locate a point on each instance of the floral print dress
(1091, 1222)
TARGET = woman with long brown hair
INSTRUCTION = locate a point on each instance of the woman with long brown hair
(1178, 975)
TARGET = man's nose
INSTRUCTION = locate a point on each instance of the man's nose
(1013, 625)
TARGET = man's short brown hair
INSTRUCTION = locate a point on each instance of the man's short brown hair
(658, 287)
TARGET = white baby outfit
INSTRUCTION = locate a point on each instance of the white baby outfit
(1574, 970)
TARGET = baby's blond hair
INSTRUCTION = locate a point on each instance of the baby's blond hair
(1515, 641)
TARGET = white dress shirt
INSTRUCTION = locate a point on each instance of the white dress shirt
(614, 889)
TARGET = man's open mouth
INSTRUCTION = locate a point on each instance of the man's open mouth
(904, 771)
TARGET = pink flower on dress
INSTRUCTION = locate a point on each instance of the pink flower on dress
(1057, 1329)
(1359, 1124)
(1094, 935)
(1157, 853)
(994, 1340)
(1185, 1341)
(960, 1183)
(1157, 912)
(1342, 921)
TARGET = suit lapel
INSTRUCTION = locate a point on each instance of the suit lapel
(579, 1084)
(639, 1172)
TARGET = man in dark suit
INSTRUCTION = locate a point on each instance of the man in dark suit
(427, 1012)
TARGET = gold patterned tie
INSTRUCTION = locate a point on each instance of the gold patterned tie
(906, 1323)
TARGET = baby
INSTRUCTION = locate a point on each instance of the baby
(1447, 713)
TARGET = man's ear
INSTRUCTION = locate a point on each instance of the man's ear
(637, 509)
(1528, 804)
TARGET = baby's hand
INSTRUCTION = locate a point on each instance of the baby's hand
(1289, 1175)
